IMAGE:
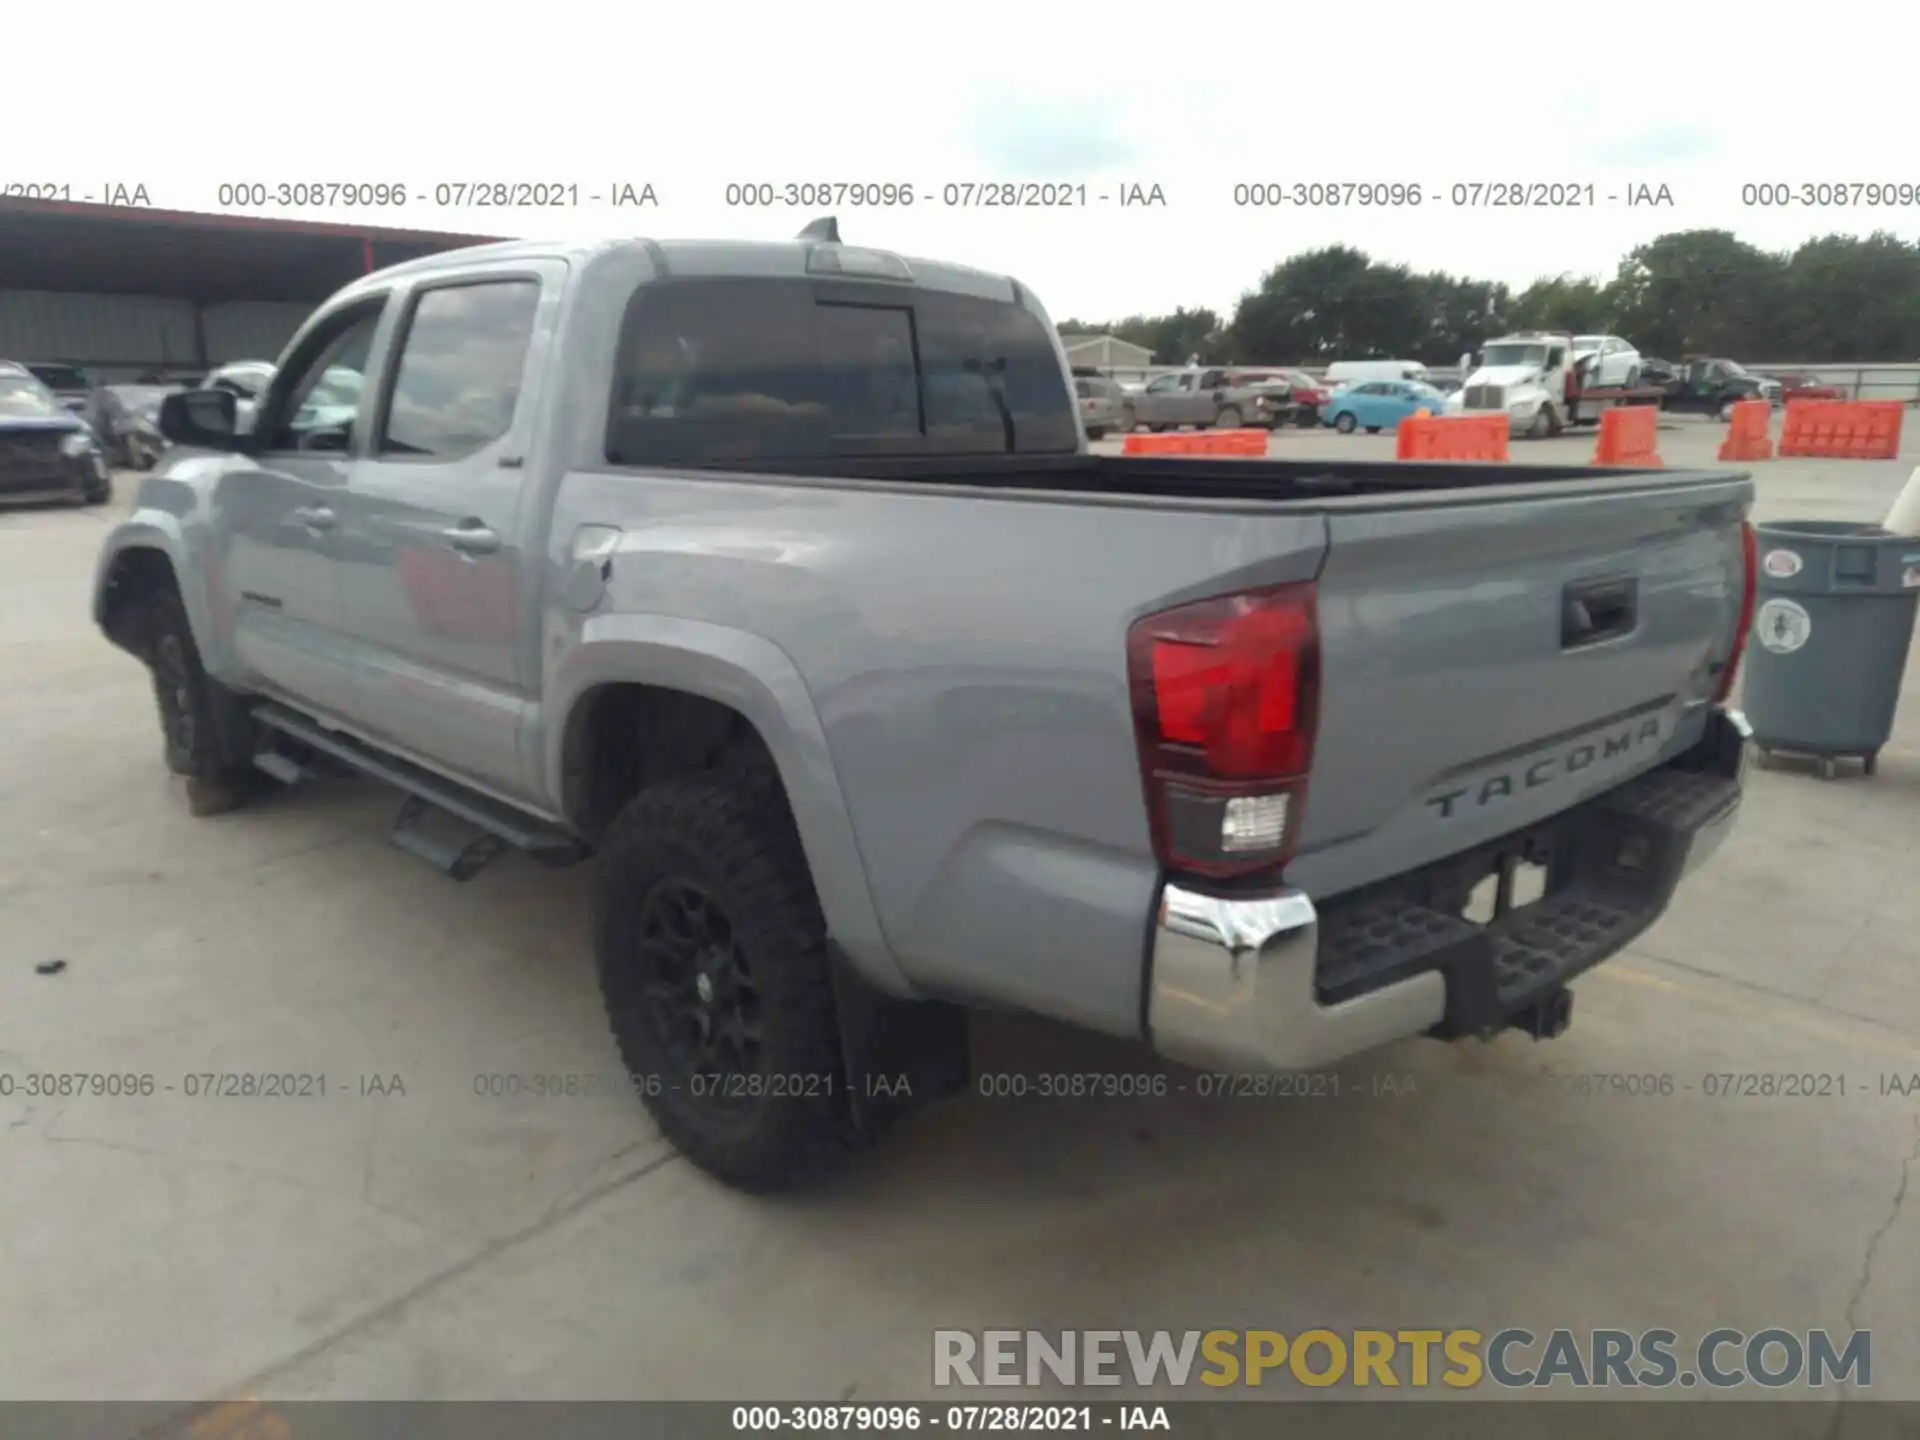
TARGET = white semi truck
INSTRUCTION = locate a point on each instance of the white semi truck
(1533, 376)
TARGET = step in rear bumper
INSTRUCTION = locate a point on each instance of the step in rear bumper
(1274, 983)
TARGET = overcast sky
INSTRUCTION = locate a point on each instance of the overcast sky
(1191, 98)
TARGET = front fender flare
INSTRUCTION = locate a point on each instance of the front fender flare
(756, 678)
(159, 532)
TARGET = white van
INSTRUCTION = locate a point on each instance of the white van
(1343, 373)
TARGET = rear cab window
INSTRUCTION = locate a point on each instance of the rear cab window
(718, 371)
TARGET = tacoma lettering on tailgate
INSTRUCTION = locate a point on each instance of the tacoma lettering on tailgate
(1549, 768)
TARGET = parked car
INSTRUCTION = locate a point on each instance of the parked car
(1100, 402)
(1713, 386)
(1207, 399)
(132, 415)
(1281, 397)
(76, 391)
(802, 606)
(329, 406)
(1343, 374)
(1376, 405)
(1606, 361)
(47, 452)
(1804, 385)
(244, 379)
(1658, 373)
(1310, 397)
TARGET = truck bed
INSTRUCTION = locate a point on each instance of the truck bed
(1247, 481)
(962, 630)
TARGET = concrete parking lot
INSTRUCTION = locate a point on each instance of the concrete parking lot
(405, 1236)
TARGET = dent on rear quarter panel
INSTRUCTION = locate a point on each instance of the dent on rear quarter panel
(965, 653)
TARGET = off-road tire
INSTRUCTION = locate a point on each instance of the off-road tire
(187, 701)
(735, 840)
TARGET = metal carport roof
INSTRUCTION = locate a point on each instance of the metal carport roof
(122, 250)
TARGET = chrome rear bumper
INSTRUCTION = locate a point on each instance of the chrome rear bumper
(1232, 985)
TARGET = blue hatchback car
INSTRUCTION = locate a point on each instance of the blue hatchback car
(1380, 405)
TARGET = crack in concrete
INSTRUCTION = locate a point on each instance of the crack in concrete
(1867, 1260)
(1873, 1241)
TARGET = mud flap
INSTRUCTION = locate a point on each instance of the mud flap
(900, 1055)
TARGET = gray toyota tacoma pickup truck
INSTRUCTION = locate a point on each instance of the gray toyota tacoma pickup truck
(777, 579)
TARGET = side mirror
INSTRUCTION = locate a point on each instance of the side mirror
(206, 419)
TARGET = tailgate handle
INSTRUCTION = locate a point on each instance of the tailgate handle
(1595, 610)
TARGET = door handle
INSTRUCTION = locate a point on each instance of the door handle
(315, 517)
(474, 539)
(1598, 610)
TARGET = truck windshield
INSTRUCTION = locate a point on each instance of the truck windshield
(1505, 355)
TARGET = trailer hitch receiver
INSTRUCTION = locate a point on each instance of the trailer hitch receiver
(1548, 1017)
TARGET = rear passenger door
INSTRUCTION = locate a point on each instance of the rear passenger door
(442, 563)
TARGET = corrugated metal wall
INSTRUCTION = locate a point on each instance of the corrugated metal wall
(116, 336)
(251, 329)
(103, 331)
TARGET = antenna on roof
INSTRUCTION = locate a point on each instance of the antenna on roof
(825, 228)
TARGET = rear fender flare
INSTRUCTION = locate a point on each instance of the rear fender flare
(756, 678)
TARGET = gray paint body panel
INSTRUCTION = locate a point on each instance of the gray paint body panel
(939, 670)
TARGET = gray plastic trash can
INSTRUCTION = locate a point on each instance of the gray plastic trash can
(1832, 624)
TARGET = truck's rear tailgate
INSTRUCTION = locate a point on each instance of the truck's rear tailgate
(1490, 660)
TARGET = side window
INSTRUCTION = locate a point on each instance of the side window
(316, 408)
(458, 378)
(1163, 384)
(710, 371)
(1213, 380)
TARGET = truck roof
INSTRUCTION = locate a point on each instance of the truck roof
(708, 258)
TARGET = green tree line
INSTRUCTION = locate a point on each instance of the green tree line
(1838, 299)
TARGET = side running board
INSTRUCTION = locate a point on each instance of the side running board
(429, 797)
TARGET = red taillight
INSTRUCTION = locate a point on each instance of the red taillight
(1225, 701)
(1750, 556)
